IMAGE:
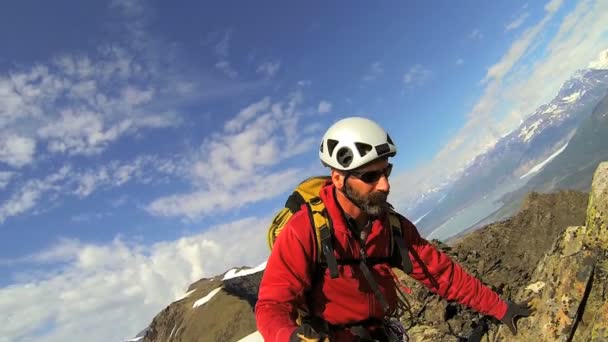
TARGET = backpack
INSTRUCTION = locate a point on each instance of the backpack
(307, 192)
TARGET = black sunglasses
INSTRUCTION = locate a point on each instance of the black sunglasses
(372, 176)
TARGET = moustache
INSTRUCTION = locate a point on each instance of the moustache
(378, 197)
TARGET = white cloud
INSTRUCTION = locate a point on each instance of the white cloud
(121, 284)
(77, 105)
(475, 34)
(517, 22)
(416, 75)
(553, 5)
(134, 96)
(28, 195)
(375, 71)
(143, 169)
(601, 62)
(324, 107)
(304, 83)
(246, 115)
(222, 48)
(226, 68)
(235, 166)
(86, 217)
(520, 46)
(129, 7)
(83, 182)
(16, 150)
(5, 178)
(204, 202)
(269, 69)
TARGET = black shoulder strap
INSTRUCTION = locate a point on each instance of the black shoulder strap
(395, 222)
(404, 252)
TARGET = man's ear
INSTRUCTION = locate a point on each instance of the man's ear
(337, 178)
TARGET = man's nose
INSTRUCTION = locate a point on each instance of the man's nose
(383, 184)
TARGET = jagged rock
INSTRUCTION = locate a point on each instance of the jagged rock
(572, 306)
(224, 318)
(593, 325)
(244, 287)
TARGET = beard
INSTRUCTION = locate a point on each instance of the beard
(374, 204)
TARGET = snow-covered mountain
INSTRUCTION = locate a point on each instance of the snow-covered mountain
(550, 123)
(539, 136)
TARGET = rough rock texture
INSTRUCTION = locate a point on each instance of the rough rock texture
(226, 317)
(554, 252)
(503, 255)
(572, 303)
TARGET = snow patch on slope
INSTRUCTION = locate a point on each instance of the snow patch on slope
(573, 97)
(421, 217)
(135, 339)
(185, 295)
(528, 132)
(539, 166)
(207, 298)
(233, 273)
(253, 337)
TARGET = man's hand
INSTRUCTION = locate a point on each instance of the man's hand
(305, 333)
(514, 311)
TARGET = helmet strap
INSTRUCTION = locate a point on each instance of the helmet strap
(343, 190)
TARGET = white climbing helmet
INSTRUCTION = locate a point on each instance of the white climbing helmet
(353, 142)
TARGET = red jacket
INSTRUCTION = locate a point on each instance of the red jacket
(348, 298)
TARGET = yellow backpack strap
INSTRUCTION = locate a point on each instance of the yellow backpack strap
(397, 237)
(321, 223)
(307, 189)
(277, 225)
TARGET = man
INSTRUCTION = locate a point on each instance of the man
(351, 307)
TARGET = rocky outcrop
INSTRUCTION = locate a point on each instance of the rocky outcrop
(569, 287)
(213, 310)
(503, 255)
(553, 253)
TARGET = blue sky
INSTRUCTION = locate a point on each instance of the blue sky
(145, 145)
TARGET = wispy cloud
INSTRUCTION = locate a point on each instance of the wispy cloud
(225, 67)
(86, 217)
(517, 22)
(417, 75)
(129, 7)
(235, 166)
(29, 194)
(16, 150)
(5, 178)
(375, 70)
(222, 48)
(324, 107)
(459, 61)
(269, 69)
(476, 34)
(601, 62)
(121, 284)
(70, 181)
(87, 105)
